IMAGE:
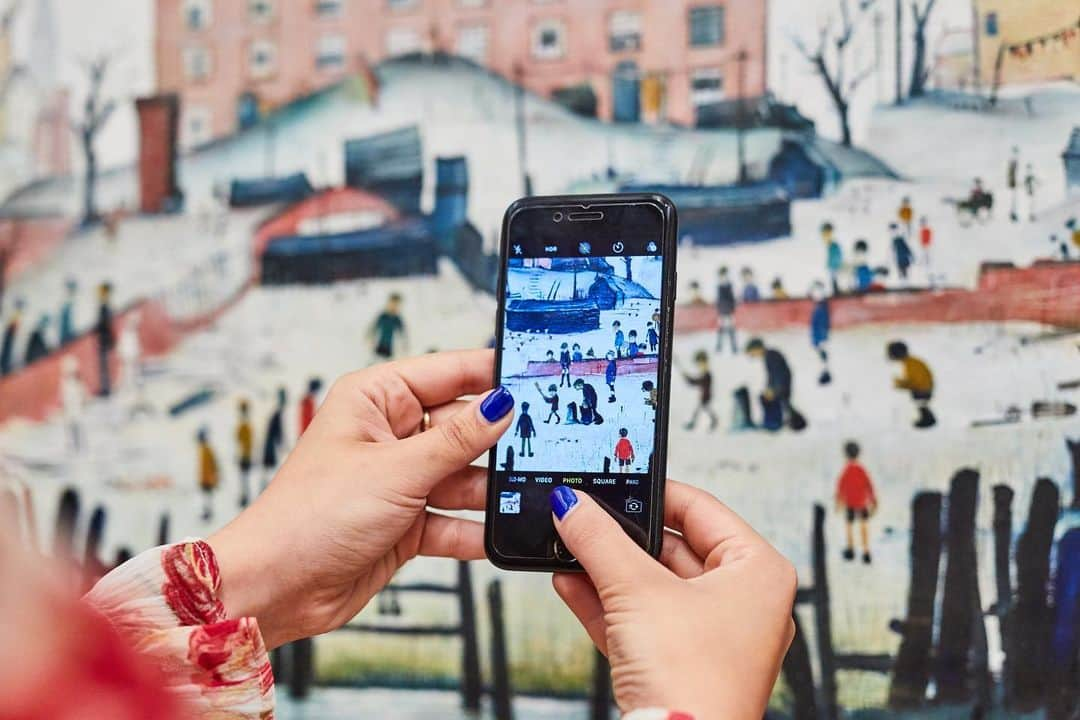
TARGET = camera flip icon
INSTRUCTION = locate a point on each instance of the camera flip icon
(634, 506)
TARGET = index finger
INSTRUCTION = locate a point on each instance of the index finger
(712, 529)
(438, 378)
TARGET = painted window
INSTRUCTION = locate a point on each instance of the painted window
(330, 52)
(706, 25)
(196, 128)
(402, 4)
(472, 43)
(991, 24)
(624, 30)
(328, 8)
(549, 40)
(196, 14)
(706, 86)
(262, 58)
(197, 62)
(472, 3)
(261, 10)
(402, 41)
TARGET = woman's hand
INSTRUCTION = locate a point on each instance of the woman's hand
(707, 633)
(349, 506)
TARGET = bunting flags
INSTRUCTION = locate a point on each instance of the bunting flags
(1062, 38)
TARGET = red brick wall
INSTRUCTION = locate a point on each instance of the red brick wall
(158, 118)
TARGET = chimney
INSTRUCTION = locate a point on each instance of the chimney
(158, 121)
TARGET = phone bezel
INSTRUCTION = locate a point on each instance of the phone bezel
(669, 241)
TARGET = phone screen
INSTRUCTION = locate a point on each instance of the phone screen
(580, 348)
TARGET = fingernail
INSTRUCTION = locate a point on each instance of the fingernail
(497, 404)
(563, 500)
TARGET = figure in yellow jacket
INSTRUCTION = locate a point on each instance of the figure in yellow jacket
(917, 379)
(208, 473)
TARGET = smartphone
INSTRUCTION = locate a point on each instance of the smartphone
(583, 342)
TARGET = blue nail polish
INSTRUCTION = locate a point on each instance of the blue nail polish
(497, 404)
(563, 499)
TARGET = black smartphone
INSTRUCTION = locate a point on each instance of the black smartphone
(583, 342)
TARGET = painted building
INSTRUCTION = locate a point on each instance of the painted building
(624, 60)
(1027, 41)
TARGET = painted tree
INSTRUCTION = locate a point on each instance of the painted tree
(833, 59)
(920, 13)
(96, 112)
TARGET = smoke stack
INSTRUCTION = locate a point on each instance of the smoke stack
(158, 122)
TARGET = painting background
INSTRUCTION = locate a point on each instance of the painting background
(228, 310)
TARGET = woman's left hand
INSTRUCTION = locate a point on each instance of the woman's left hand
(349, 505)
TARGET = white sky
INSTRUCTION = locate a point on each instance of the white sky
(124, 28)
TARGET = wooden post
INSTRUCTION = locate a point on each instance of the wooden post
(67, 518)
(911, 671)
(470, 652)
(823, 617)
(1003, 497)
(1064, 691)
(799, 676)
(1029, 616)
(301, 668)
(163, 529)
(956, 636)
(600, 697)
(500, 669)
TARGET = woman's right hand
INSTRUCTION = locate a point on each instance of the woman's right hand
(705, 632)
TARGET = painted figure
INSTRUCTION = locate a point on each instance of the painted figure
(777, 288)
(67, 312)
(1031, 185)
(834, 256)
(633, 349)
(905, 214)
(695, 293)
(901, 251)
(575, 353)
(129, 350)
(916, 379)
(106, 338)
(387, 327)
(1012, 172)
(275, 438)
(776, 398)
(862, 273)
(926, 243)
(37, 347)
(750, 292)
(7, 347)
(703, 382)
(1074, 233)
(552, 399)
(725, 310)
(624, 451)
(610, 372)
(587, 413)
(208, 473)
(525, 430)
(244, 447)
(820, 327)
(620, 338)
(72, 399)
(309, 404)
(855, 497)
(652, 337)
(565, 360)
(648, 388)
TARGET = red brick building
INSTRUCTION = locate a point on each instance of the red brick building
(624, 60)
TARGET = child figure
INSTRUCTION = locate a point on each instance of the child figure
(703, 382)
(619, 338)
(624, 451)
(905, 214)
(208, 473)
(1031, 184)
(651, 336)
(632, 349)
(648, 388)
(855, 496)
(576, 355)
(820, 326)
(553, 402)
(926, 241)
(525, 430)
(750, 291)
(916, 379)
(564, 363)
(609, 374)
(308, 404)
(862, 274)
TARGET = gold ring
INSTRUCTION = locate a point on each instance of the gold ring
(425, 421)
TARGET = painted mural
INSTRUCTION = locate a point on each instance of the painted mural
(212, 208)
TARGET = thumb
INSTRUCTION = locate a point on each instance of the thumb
(450, 446)
(594, 537)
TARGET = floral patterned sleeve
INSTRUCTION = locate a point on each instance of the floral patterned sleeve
(165, 603)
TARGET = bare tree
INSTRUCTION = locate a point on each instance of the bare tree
(832, 58)
(9, 246)
(96, 112)
(919, 71)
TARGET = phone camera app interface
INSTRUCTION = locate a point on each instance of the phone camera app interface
(581, 354)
